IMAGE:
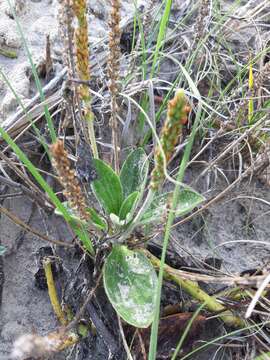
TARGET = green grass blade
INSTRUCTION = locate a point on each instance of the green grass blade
(35, 74)
(40, 137)
(264, 356)
(161, 34)
(185, 333)
(222, 337)
(171, 216)
(44, 185)
(159, 44)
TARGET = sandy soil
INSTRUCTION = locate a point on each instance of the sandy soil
(34, 17)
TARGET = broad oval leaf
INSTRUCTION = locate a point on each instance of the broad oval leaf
(107, 188)
(187, 201)
(133, 174)
(130, 283)
(128, 205)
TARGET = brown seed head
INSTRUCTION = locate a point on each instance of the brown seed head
(72, 189)
(177, 115)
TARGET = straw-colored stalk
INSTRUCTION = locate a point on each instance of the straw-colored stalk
(177, 116)
(47, 265)
(193, 289)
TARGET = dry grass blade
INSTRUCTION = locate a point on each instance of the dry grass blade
(30, 230)
(35, 191)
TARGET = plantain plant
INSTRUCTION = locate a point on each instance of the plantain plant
(130, 206)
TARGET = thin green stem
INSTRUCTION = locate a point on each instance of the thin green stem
(161, 34)
(222, 337)
(171, 216)
(136, 221)
(91, 130)
(185, 333)
(159, 44)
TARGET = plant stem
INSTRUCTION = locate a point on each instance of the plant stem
(193, 289)
(70, 339)
(186, 331)
(89, 116)
(47, 265)
(171, 216)
(135, 222)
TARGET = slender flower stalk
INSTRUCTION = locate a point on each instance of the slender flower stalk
(83, 67)
(113, 74)
(239, 114)
(66, 32)
(68, 179)
(177, 116)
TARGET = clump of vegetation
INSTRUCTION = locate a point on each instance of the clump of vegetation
(136, 193)
(123, 211)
